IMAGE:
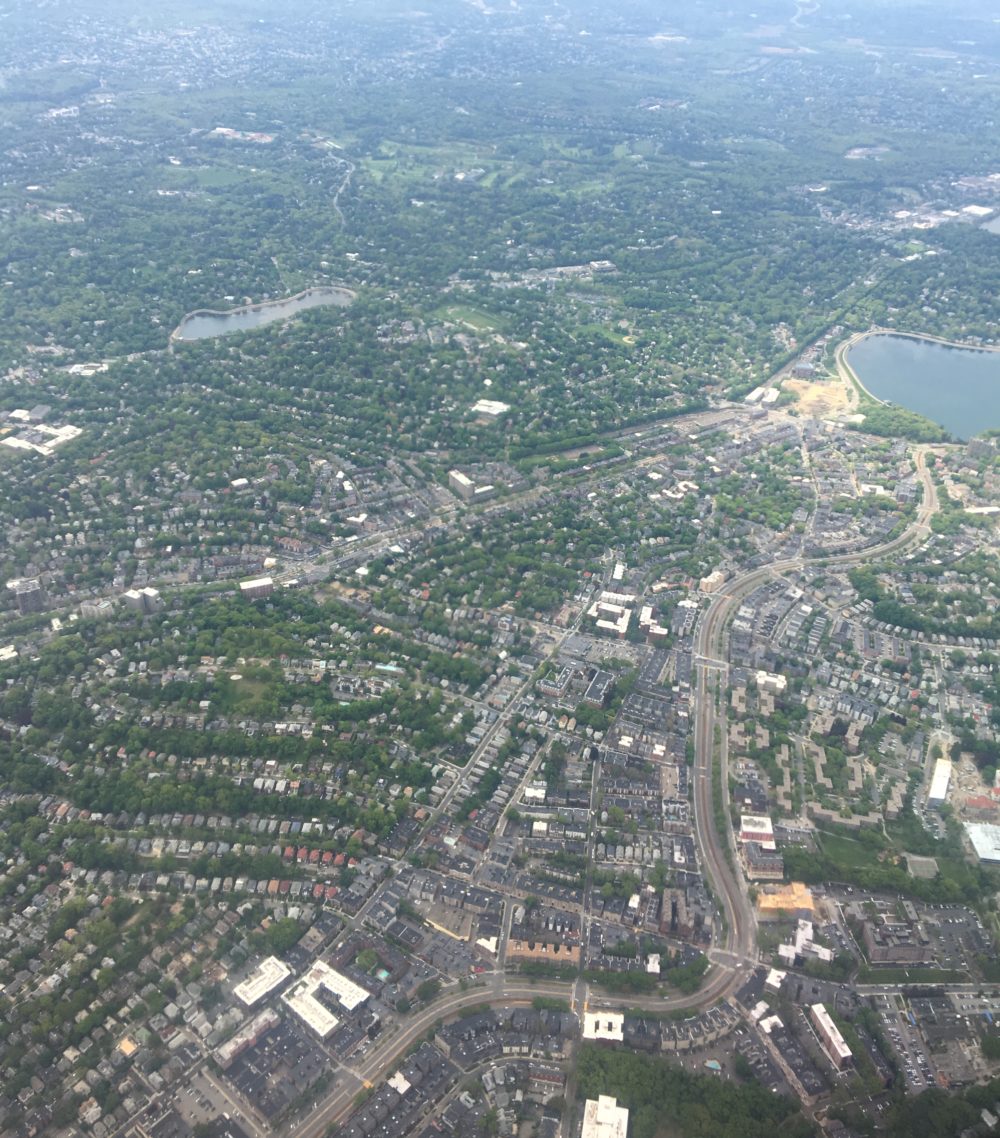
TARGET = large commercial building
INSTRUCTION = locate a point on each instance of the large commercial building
(257, 588)
(777, 902)
(269, 975)
(985, 840)
(322, 986)
(490, 408)
(891, 941)
(836, 1049)
(802, 946)
(757, 828)
(604, 1118)
(940, 781)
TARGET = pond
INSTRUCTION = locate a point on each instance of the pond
(954, 386)
(206, 323)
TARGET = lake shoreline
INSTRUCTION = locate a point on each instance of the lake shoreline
(928, 336)
(332, 293)
(899, 398)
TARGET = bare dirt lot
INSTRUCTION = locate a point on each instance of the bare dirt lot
(821, 398)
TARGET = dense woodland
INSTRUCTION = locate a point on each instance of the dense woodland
(663, 1099)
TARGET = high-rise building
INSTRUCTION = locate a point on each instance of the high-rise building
(30, 595)
(143, 600)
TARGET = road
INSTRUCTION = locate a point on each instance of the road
(718, 856)
(389, 1049)
(738, 948)
(505, 718)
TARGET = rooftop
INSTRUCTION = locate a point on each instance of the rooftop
(270, 974)
(604, 1118)
(604, 1025)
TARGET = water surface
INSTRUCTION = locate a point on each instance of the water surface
(956, 387)
(204, 323)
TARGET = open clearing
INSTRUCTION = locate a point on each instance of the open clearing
(820, 398)
(474, 318)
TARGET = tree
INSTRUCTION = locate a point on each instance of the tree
(428, 990)
(367, 959)
(282, 934)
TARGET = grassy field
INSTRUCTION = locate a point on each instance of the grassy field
(475, 318)
(846, 851)
(911, 976)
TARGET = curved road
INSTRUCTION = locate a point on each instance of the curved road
(710, 650)
(390, 1049)
(739, 946)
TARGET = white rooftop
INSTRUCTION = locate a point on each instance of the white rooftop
(271, 973)
(257, 582)
(399, 1083)
(834, 1040)
(490, 407)
(985, 839)
(604, 1025)
(940, 781)
(302, 998)
(756, 824)
(604, 1118)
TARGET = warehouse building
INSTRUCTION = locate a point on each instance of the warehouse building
(757, 828)
(985, 840)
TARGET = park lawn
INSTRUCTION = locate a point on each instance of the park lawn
(476, 318)
(870, 975)
(846, 851)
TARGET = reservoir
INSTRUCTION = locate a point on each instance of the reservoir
(205, 323)
(954, 386)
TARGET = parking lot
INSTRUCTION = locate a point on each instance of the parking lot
(202, 1101)
(959, 935)
(904, 1035)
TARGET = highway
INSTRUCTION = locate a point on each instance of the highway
(710, 724)
(351, 1080)
(737, 950)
